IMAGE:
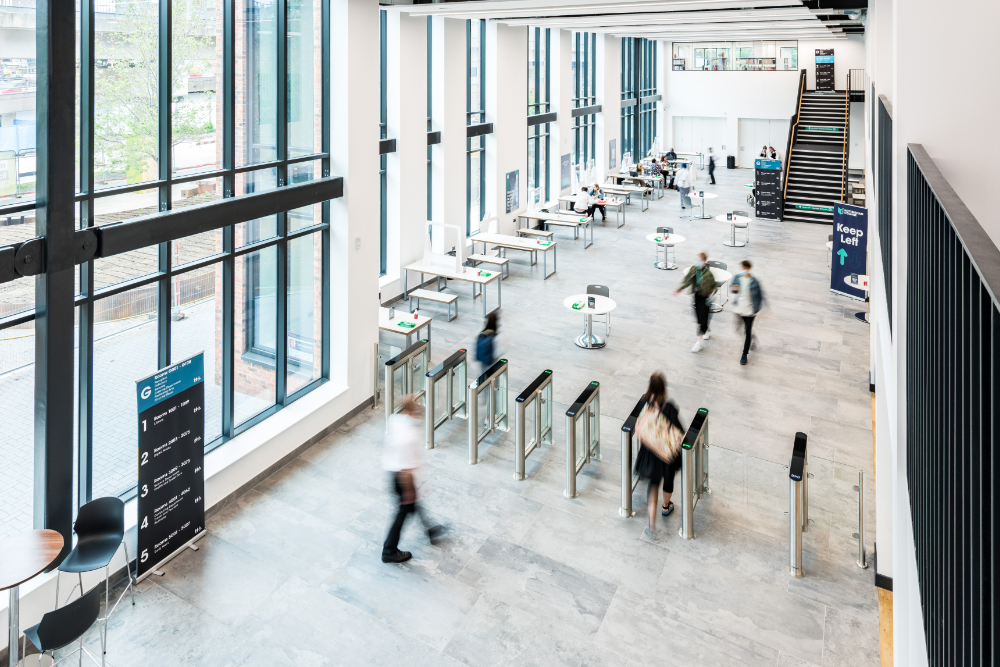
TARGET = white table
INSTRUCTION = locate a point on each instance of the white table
(721, 276)
(708, 195)
(655, 182)
(736, 218)
(392, 325)
(628, 191)
(664, 241)
(862, 285)
(532, 246)
(470, 275)
(617, 204)
(602, 306)
(574, 220)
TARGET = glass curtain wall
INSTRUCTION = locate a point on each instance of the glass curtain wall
(475, 147)
(539, 41)
(430, 109)
(638, 118)
(628, 92)
(584, 63)
(382, 158)
(647, 88)
(176, 105)
(754, 56)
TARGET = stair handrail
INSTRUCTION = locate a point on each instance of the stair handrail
(793, 124)
(847, 138)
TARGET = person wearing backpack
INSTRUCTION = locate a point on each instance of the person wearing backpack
(660, 434)
(486, 342)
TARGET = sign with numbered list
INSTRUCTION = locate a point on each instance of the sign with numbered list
(850, 249)
(767, 174)
(171, 461)
(824, 70)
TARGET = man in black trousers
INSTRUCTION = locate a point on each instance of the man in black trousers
(711, 165)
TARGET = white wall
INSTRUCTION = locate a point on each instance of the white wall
(856, 157)
(609, 68)
(448, 176)
(507, 108)
(561, 142)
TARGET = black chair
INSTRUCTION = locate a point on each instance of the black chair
(602, 290)
(65, 625)
(718, 285)
(100, 530)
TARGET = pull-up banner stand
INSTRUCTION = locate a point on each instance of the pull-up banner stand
(767, 174)
(171, 461)
(850, 251)
(824, 70)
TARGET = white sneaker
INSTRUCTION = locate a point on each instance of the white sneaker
(697, 346)
(708, 334)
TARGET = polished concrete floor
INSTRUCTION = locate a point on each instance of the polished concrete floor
(290, 573)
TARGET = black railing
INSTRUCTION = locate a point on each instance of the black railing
(952, 421)
(883, 188)
(792, 124)
(847, 140)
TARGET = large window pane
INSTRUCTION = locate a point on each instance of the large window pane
(304, 67)
(18, 77)
(17, 446)
(256, 81)
(304, 310)
(263, 228)
(124, 352)
(134, 264)
(193, 330)
(201, 245)
(126, 96)
(196, 138)
(256, 331)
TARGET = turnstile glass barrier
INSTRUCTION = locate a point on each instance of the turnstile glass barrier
(728, 477)
(766, 486)
(405, 373)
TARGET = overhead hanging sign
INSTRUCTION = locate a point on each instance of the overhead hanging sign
(849, 272)
(171, 461)
(767, 174)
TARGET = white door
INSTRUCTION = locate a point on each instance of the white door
(756, 133)
(694, 134)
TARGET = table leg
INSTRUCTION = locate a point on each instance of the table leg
(406, 297)
(14, 625)
(498, 294)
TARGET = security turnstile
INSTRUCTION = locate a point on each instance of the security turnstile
(630, 448)
(494, 383)
(405, 367)
(694, 470)
(449, 374)
(538, 394)
(588, 408)
(798, 505)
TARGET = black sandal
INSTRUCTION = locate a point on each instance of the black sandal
(665, 511)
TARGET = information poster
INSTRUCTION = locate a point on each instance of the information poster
(512, 197)
(171, 460)
(850, 250)
(768, 177)
(824, 70)
(612, 154)
(565, 168)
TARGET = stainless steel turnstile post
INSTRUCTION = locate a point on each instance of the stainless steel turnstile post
(452, 371)
(494, 379)
(629, 451)
(860, 488)
(375, 393)
(797, 494)
(694, 470)
(588, 407)
(538, 394)
(408, 365)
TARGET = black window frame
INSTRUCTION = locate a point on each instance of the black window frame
(541, 132)
(585, 95)
(475, 115)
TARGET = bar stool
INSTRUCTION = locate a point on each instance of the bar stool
(667, 231)
(713, 264)
(743, 225)
(601, 290)
(66, 625)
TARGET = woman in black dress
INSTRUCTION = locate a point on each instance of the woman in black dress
(648, 464)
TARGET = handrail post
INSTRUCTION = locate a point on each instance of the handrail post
(796, 501)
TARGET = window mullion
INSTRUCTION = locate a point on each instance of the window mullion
(325, 234)
(229, 231)
(164, 140)
(281, 263)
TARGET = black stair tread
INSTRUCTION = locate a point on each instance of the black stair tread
(819, 148)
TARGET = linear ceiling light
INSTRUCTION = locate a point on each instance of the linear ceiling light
(459, 9)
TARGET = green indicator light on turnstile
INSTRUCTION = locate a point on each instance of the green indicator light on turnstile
(548, 371)
(595, 382)
(504, 361)
(423, 340)
(702, 410)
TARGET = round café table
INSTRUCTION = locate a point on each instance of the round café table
(708, 195)
(732, 223)
(602, 306)
(721, 276)
(664, 241)
(862, 285)
(23, 557)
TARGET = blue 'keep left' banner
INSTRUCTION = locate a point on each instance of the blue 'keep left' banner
(850, 250)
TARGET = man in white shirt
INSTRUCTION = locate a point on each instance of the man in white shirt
(584, 203)
(683, 182)
(401, 457)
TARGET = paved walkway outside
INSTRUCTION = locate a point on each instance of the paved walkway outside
(290, 574)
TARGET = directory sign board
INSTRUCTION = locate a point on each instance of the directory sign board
(850, 250)
(512, 196)
(768, 178)
(171, 461)
(824, 70)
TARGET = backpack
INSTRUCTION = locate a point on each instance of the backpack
(484, 347)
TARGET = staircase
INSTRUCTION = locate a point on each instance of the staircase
(816, 162)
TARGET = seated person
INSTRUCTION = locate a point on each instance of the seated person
(654, 169)
(671, 156)
(774, 153)
(584, 204)
(763, 151)
(597, 193)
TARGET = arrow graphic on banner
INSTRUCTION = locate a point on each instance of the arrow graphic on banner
(843, 255)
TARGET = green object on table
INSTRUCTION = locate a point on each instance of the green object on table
(407, 325)
(583, 220)
(659, 238)
(578, 305)
(545, 243)
(484, 274)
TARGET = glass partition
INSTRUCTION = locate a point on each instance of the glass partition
(756, 56)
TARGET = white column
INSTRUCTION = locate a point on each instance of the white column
(354, 221)
(448, 62)
(609, 77)
(406, 121)
(562, 102)
(507, 109)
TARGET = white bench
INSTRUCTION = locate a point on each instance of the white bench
(436, 297)
(492, 259)
(535, 232)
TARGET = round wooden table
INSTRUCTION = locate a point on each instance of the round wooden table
(23, 557)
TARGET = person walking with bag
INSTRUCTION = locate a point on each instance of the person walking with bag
(660, 434)
(699, 277)
(748, 302)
